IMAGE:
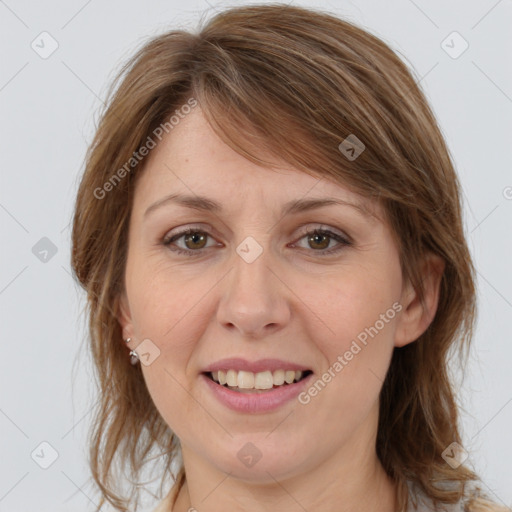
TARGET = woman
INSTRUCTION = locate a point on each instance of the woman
(269, 229)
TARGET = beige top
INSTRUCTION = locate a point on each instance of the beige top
(165, 504)
(423, 504)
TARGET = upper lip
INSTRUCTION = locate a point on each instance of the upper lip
(261, 365)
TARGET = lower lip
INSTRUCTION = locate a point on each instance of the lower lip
(256, 402)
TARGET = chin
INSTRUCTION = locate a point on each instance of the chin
(260, 461)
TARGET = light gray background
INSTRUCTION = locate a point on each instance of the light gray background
(48, 110)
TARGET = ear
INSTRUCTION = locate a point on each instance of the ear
(124, 316)
(416, 317)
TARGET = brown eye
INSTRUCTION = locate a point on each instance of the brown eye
(319, 241)
(195, 240)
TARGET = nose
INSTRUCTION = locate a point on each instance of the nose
(254, 300)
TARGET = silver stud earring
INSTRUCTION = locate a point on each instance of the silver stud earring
(134, 357)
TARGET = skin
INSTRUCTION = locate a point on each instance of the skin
(290, 303)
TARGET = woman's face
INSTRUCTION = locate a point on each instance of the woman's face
(255, 283)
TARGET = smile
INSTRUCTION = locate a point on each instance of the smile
(253, 400)
(244, 381)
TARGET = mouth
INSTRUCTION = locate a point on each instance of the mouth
(255, 383)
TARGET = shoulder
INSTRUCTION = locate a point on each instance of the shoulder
(166, 504)
(483, 505)
(472, 501)
(163, 506)
(477, 501)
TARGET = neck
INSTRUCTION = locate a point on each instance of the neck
(364, 489)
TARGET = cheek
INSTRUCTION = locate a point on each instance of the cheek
(355, 304)
(168, 313)
(160, 297)
(355, 358)
(360, 312)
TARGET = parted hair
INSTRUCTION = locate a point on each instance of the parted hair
(293, 83)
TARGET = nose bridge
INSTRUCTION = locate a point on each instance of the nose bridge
(253, 301)
(252, 265)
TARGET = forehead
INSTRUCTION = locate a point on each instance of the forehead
(191, 159)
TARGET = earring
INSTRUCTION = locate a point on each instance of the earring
(134, 357)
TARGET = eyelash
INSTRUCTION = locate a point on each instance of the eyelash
(317, 231)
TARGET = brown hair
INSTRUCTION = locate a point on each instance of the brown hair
(295, 83)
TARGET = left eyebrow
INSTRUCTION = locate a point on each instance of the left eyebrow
(303, 205)
(291, 207)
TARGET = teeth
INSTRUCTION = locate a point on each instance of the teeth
(289, 376)
(278, 376)
(263, 380)
(245, 380)
(260, 380)
(231, 378)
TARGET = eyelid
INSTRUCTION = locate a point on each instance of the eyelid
(305, 228)
(183, 230)
(342, 241)
(172, 237)
(308, 228)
